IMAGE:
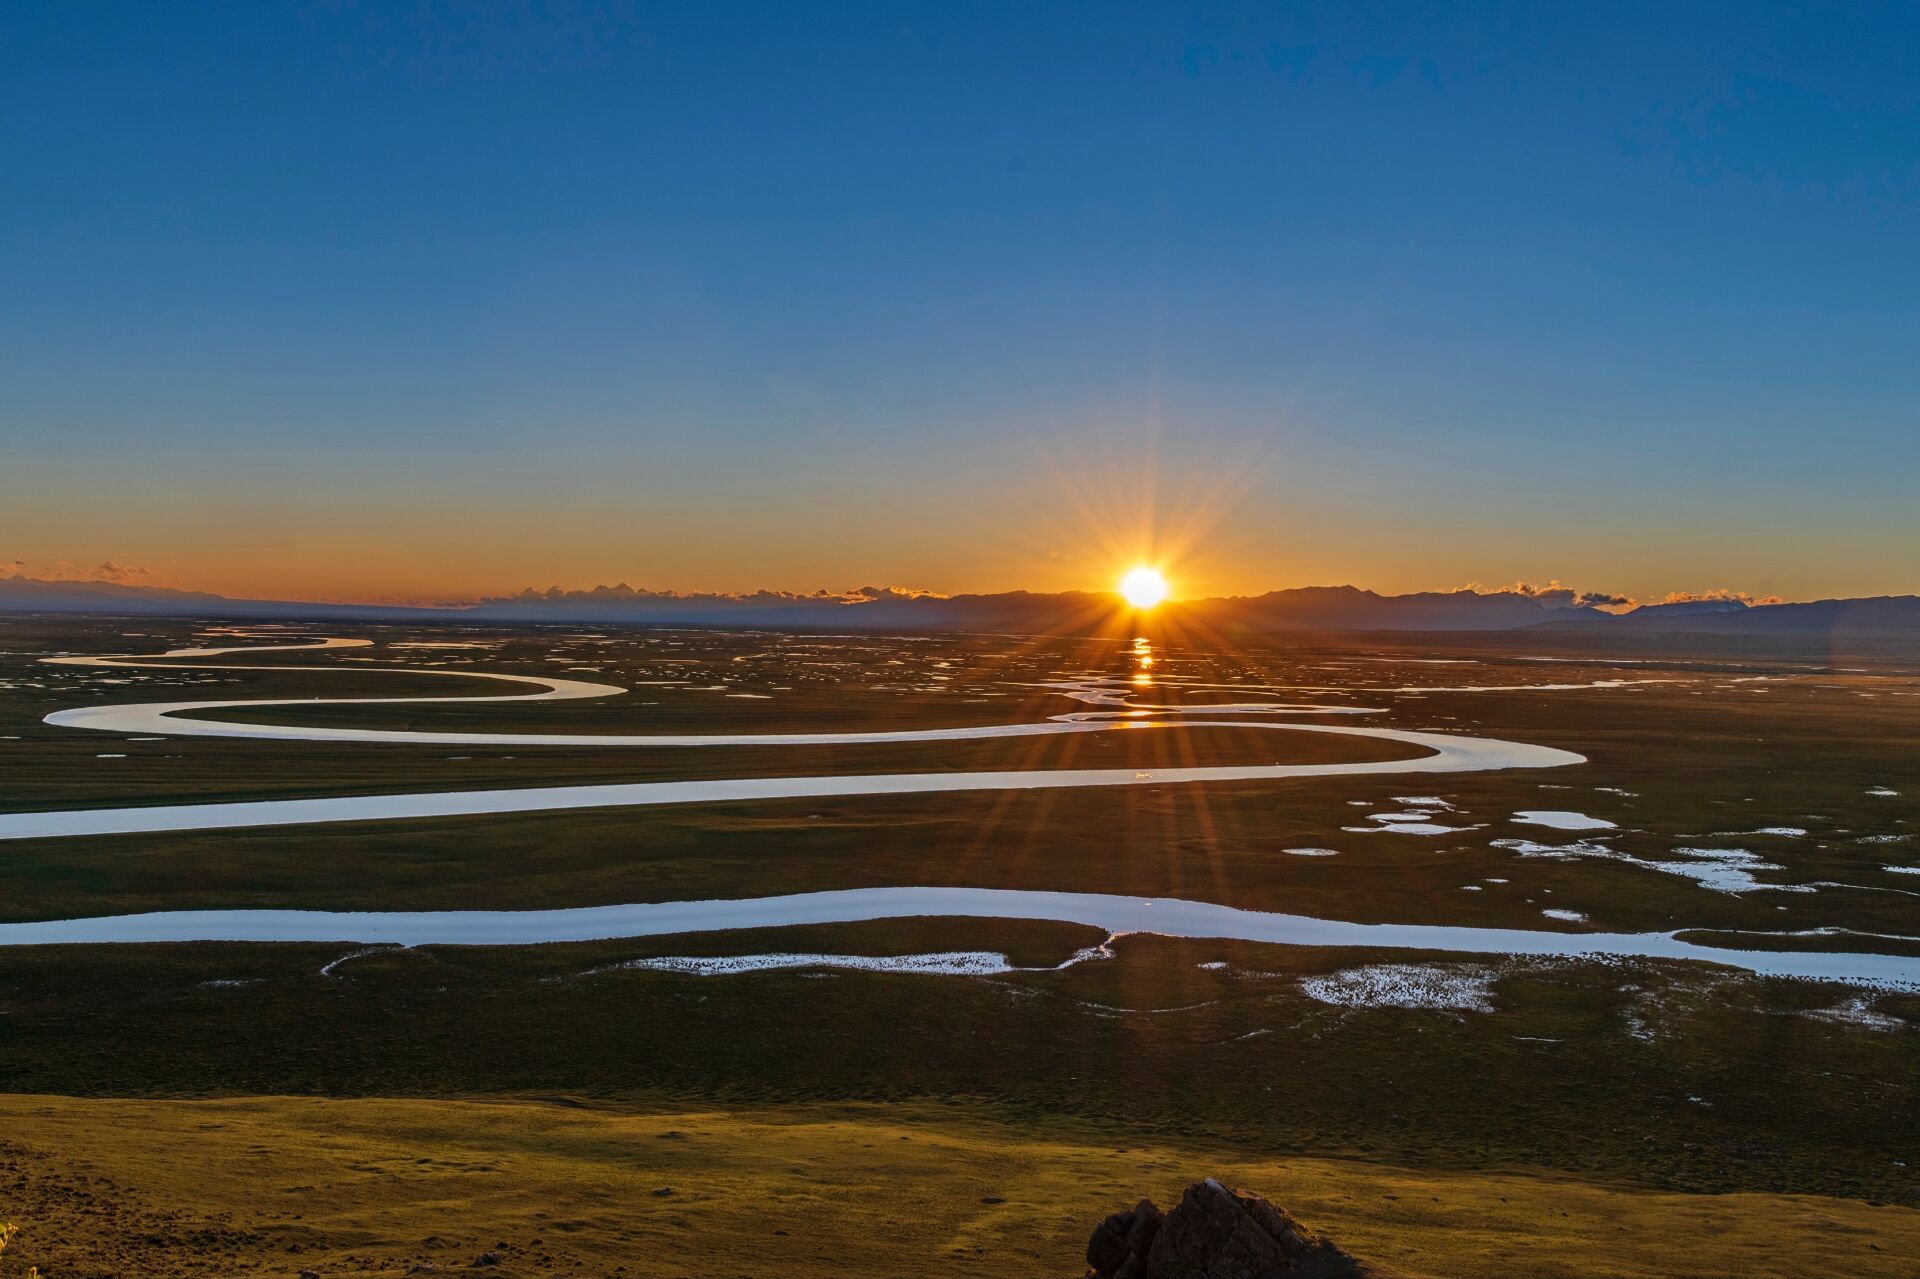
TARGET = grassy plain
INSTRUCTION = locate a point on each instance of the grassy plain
(1592, 1089)
(270, 1185)
(1671, 1076)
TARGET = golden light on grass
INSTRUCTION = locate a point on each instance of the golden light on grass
(191, 1159)
(1143, 587)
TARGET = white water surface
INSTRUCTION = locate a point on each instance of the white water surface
(946, 963)
(1452, 988)
(1166, 916)
(1561, 819)
(1448, 753)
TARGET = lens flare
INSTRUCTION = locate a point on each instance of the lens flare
(1143, 587)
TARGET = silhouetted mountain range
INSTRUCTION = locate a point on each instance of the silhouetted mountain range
(1312, 608)
(34, 595)
(1878, 615)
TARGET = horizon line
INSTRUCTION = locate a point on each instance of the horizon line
(1552, 594)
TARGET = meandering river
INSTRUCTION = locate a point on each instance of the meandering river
(1447, 753)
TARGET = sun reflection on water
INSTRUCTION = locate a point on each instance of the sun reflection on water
(1142, 662)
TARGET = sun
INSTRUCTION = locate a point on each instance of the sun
(1143, 587)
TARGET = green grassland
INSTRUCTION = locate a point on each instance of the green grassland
(1659, 1075)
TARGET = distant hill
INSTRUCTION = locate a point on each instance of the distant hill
(34, 595)
(866, 609)
(1314, 608)
(23, 594)
(1348, 608)
(1309, 608)
(1880, 615)
(1689, 608)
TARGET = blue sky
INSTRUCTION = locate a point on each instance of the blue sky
(395, 300)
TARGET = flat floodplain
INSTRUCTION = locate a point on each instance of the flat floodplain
(1748, 795)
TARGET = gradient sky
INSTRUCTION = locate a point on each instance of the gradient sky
(384, 301)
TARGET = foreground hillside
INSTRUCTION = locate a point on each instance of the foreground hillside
(276, 1185)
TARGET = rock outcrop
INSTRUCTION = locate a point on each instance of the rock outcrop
(1215, 1234)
